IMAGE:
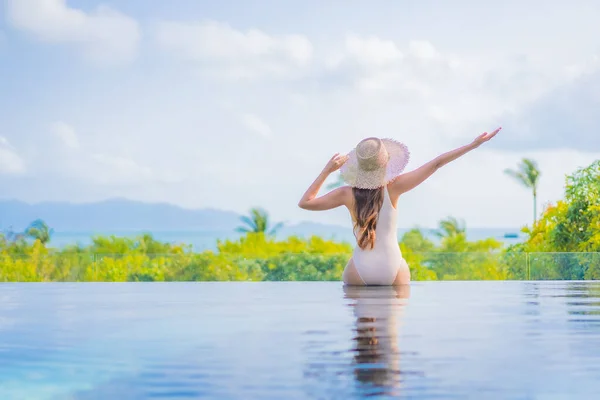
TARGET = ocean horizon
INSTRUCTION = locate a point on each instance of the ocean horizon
(207, 240)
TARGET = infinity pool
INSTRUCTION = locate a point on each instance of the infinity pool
(442, 340)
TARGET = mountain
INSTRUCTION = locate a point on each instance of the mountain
(127, 215)
(115, 215)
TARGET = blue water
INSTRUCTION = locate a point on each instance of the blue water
(294, 340)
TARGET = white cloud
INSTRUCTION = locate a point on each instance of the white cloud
(115, 170)
(422, 49)
(10, 161)
(101, 160)
(566, 118)
(224, 50)
(415, 69)
(66, 134)
(589, 66)
(255, 124)
(453, 94)
(372, 51)
(105, 35)
(378, 54)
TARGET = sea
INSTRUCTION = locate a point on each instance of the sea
(207, 240)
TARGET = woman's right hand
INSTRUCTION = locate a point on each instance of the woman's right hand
(335, 163)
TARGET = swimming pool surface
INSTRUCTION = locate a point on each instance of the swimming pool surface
(292, 340)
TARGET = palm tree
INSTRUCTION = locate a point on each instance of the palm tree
(39, 230)
(528, 174)
(451, 227)
(258, 222)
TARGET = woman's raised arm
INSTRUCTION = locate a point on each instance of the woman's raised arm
(333, 199)
(412, 179)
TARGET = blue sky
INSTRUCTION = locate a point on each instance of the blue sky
(240, 104)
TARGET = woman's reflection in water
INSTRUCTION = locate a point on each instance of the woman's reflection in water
(376, 352)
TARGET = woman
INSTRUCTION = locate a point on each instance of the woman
(373, 172)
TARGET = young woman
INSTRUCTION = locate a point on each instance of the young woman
(373, 172)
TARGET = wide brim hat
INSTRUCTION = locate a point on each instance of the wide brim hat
(374, 163)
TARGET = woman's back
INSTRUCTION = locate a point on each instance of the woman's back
(379, 265)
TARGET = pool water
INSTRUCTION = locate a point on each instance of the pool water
(299, 340)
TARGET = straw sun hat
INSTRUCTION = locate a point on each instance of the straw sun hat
(374, 163)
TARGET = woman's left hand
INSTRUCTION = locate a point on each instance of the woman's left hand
(484, 137)
(335, 162)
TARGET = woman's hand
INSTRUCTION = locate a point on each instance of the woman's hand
(335, 163)
(484, 137)
(335, 198)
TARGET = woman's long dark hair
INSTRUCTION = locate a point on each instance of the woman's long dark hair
(367, 204)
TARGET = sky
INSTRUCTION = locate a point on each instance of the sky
(237, 104)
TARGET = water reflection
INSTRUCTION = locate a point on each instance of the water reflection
(585, 298)
(583, 302)
(376, 360)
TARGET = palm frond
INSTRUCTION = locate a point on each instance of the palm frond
(276, 228)
(531, 170)
(260, 218)
(519, 176)
(249, 223)
(450, 227)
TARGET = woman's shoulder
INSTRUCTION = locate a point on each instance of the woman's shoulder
(345, 192)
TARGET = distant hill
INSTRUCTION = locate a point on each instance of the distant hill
(127, 216)
(115, 215)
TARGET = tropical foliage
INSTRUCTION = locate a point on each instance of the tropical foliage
(566, 239)
(253, 257)
(563, 244)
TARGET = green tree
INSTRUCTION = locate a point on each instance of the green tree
(39, 230)
(258, 222)
(451, 227)
(572, 224)
(566, 238)
(415, 240)
(528, 174)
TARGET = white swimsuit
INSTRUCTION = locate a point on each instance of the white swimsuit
(380, 265)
